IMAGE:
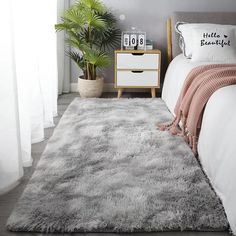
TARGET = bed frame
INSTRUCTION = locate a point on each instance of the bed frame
(227, 18)
(169, 40)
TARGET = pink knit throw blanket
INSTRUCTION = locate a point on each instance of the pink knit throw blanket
(198, 87)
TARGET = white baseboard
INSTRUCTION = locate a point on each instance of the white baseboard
(108, 87)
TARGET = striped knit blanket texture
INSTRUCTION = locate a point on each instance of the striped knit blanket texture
(198, 87)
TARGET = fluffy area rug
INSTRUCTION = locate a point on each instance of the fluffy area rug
(108, 169)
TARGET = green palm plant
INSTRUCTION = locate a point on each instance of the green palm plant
(91, 31)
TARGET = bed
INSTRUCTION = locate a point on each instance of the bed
(216, 145)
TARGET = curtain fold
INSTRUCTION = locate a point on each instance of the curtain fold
(64, 62)
(10, 155)
(34, 62)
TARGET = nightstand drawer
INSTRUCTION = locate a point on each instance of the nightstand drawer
(137, 61)
(138, 78)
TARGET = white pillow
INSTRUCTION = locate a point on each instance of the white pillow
(186, 34)
(213, 45)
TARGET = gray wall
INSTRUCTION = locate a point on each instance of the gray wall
(151, 15)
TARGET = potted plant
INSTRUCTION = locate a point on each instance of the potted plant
(91, 31)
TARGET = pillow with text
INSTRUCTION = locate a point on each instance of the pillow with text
(214, 45)
(185, 30)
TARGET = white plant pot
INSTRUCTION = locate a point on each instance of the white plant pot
(90, 88)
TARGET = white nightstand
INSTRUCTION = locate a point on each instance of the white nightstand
(137, 69)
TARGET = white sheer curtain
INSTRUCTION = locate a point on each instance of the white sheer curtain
(64, 62)
(10, 158)
(29, 77)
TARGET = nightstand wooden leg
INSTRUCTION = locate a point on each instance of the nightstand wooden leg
(120, 91)
(153, 92)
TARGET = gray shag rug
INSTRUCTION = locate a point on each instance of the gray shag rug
(108, 169)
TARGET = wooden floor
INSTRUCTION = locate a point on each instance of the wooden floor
(8, 200)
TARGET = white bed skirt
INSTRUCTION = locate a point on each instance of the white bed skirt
(217, 141)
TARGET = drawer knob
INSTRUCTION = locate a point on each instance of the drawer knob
(137, 54)
(137, 71)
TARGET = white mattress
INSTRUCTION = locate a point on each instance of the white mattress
(217, 141)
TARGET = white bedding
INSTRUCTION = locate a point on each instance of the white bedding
(217, 141)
